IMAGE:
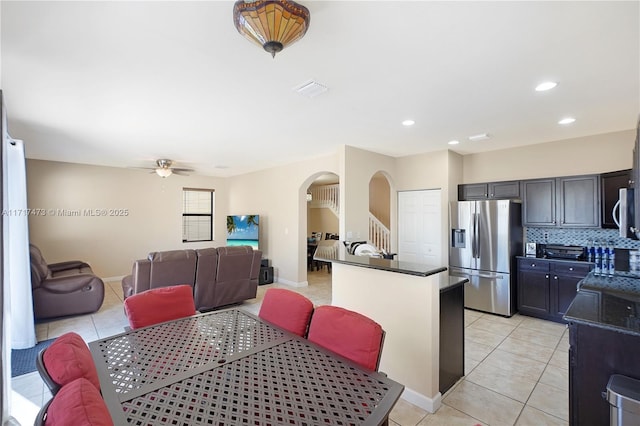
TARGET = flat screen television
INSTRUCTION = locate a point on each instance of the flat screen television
(243, 230)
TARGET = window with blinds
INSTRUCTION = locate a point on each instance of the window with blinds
(197, 214)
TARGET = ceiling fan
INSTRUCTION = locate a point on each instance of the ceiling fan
(163, 169)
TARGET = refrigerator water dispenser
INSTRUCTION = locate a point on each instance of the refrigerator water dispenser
(458, 238)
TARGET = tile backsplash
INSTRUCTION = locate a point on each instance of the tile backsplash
(578, 236)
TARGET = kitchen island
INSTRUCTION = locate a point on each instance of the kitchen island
(604, 337)
(405, 299)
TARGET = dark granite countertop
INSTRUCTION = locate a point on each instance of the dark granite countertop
(391, 265)
(555, 259)
(608, 301)
(447, 282)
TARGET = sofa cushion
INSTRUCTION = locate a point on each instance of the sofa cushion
(78, 403)
(174, 267)
(205, 285)
(68, 358)
(169, 255)
(237, 274)
(38, 265)
(159, 305)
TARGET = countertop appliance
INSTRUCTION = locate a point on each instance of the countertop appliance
(485, 238)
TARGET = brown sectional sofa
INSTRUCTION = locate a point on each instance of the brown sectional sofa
(219, 276)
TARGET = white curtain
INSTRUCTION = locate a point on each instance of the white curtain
(17, 270)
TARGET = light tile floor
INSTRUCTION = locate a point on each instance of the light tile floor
(516, 368)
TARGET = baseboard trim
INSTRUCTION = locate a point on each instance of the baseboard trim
(415, 398)
(109, 279)
(292, 283)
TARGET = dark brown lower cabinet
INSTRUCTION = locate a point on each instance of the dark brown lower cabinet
(451, 336)
(546, 287)
(595, 354)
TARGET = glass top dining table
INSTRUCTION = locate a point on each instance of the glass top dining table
(229, 367)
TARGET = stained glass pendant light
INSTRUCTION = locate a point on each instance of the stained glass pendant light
(272, 24)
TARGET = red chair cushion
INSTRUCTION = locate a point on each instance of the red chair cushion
(347, 333)
(159, 305)
(68, 358)
(79, 404)
(287, 309)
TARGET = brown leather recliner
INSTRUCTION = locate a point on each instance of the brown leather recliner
(65, 288)
(235, 279)
(161, 269)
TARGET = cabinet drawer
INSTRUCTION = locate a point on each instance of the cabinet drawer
(533, 264)
(567, 268)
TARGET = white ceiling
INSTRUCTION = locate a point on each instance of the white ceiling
(124, 83)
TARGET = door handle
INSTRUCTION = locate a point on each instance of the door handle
(476, 249)
(479, 275)
(615, 214)
(491, 277)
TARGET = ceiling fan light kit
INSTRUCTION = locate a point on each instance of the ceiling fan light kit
(163, 172)
(163, 169)
(271, 24)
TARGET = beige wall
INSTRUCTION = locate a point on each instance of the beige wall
(111, 243)
(590, 154)
(322, 219)
(279, 196)
(379, 197)
(401, 304)
(358, 167)
(436, 170)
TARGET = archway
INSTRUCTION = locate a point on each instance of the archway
(322, 213)
(380, 212)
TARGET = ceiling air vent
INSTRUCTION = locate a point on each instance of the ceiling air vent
(311, 89)
(480, 137)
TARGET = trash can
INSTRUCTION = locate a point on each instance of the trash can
(623, 395)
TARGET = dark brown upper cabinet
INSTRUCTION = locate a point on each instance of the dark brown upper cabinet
(507, 190)
(572, 201)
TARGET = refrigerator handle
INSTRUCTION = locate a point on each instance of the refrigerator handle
(476, 243)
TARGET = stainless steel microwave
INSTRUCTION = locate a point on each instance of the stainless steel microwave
(623, 214)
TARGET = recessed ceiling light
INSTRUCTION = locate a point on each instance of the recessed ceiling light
(480, 137)
(567, 120)
(547, 85)
(453, 142)
(408, 123)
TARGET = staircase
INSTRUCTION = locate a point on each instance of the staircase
(326, 196)
(379, 235)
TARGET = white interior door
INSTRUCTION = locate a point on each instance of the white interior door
(419, 226)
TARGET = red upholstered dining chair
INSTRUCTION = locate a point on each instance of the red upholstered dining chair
(77, 403)
(159, 305)
(287, 309)
(347, 333)
(68, 358)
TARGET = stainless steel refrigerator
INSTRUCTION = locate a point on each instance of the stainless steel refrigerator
(485, 237)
